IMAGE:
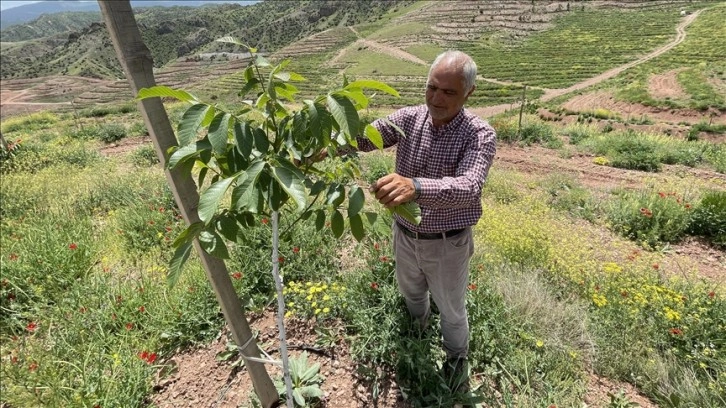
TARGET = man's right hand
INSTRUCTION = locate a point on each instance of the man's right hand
(393, 189)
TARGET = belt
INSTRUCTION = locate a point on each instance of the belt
(429, 235)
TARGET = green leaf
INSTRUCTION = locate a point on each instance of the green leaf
(177, 263)
(183, 154)
(319, 220)
(315, 125)
(372, 85)
(212, 196)
(191, 120)
(261, 61)
(356, 227)
(299, 399)
(244, 138)
(228, 227)
(371, 217)
(295, 77)
(410, 211)
(356, 200)
(337, 223)
(336, 195)
(374, 136)
(357, 96)
(166, 92)
(189, 234)
(248, 86)
(244, 193)
(344, 113)
(262, 143)
(213, 244)
(292, 184)
(233, 40)
(219, 132)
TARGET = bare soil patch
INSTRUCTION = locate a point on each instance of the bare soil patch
(666, 86)
(626, 110)
(202, 381)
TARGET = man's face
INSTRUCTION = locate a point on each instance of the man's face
(445, 93)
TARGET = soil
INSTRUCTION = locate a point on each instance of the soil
(666, 86)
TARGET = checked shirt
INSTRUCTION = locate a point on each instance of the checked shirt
(451, 162)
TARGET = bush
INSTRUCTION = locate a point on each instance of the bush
(709, 218)
(144, 156)
(650, 218)
(111, 132)
(628, 150)
(579, 132)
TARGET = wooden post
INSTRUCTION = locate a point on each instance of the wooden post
(137, 64)
(521, 111)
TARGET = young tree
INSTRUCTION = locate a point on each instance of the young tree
(263, 159)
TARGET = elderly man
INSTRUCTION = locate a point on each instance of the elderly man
(441, 164)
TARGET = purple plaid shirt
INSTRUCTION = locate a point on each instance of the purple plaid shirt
(450, 162)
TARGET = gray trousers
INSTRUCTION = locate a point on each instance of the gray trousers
(441, 267)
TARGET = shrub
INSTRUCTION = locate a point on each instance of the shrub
(650, 218)
(144, 156)
(709, 218)
(628, 150)
(111, 132)
(579, 132)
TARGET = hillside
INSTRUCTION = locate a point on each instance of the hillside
(171, 33)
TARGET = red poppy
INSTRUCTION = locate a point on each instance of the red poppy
(33, 366)
(656, 266)
(31, 327)
(73, 246)
(384, 259)
(662, 194)
(376, 246)
(142, 309)
(295, 250)
(280, 259)
(151, 222)
(374, 285)
(472, 286)
(129, 326)
(675, 331)
(237, 275)
(688, 206)
(265, 221)
(162, 209)
(151, 358)
(13, 257)
(14, 359)
(711, 294)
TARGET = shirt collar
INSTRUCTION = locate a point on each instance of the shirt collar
(453, 123)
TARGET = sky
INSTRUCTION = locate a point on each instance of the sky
(10, 4)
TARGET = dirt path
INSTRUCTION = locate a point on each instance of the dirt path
(553, 93)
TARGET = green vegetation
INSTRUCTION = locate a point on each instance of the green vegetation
(581, 45)
(702, 53)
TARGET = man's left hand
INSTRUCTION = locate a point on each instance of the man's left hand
(393, 189)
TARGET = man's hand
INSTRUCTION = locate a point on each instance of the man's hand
(393, 190)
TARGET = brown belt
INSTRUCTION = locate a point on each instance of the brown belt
(429, 235)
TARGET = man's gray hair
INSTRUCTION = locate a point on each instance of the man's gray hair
(463, 61)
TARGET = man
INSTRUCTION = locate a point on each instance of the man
(441, 164)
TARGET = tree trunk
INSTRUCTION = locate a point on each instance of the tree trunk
(137, 64)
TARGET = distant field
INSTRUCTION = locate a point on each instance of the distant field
(581, 45)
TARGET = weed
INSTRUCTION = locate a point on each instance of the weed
(111, 132)
(709, 218)
(144, 156)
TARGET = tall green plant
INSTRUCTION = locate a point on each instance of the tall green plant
(262, 159)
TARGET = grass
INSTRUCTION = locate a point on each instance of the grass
(87, 319)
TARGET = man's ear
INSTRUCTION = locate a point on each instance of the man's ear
(471, 91)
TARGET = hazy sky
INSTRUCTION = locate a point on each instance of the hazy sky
(10, 4)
